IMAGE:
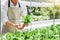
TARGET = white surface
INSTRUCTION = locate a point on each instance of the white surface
(39, 24)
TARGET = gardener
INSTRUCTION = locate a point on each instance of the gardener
(10, 16)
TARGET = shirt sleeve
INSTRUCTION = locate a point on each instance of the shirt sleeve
(4, 8)
(23, 9)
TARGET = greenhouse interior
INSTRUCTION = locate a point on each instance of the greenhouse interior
(40, 20)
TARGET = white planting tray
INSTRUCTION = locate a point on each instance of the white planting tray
(39, 24)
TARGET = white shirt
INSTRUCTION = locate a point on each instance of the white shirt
(4, 8)
(12, 5)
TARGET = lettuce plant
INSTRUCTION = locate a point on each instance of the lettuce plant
(46, 33)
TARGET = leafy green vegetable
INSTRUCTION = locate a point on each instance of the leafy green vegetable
(44, 13)
(27, 19)
(46, 33)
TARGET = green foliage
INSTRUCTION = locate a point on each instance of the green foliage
(46, 33)
(27, 19)
(43, 13)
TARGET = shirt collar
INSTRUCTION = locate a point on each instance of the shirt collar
(11, 4)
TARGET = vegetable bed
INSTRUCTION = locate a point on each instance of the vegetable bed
(47, 33)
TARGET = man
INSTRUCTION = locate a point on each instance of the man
(10, 15)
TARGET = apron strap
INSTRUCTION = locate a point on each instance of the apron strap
(9, 4)
(19, 4)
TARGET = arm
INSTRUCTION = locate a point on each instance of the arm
(4, 17)
(23, 9)
(4, 8)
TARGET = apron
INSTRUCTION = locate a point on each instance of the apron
(13, 16)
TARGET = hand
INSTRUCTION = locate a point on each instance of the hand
(10, 24)
(25, 25)
(18, 26)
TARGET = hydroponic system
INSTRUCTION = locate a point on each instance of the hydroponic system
(42, 21)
